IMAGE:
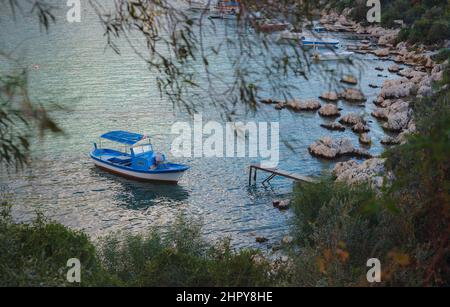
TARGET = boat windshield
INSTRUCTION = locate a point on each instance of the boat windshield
(142, 149)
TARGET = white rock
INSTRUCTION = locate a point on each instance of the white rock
(370, 171)
(397, 88)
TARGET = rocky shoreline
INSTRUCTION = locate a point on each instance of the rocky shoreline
(416, 73)
(395, 96)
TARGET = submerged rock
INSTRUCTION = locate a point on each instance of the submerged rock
(284, 205)
(364, 139)
(349, 80)
(261, 240)
(269, 101)
(279, 106)
(333, 126)
(360, 128)
(329, 110)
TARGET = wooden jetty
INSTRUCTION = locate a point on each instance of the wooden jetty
(276, 172)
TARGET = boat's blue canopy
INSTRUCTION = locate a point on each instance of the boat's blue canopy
(123, 137)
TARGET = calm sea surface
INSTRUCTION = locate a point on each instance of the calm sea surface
(101, 91)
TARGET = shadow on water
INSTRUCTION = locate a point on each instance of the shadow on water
(138, 195)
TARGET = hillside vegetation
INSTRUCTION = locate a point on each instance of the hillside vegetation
(425, 21)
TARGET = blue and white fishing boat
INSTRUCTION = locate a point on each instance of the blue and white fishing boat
(136, 160)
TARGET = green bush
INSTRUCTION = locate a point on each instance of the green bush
(36, 254)
(180, 258)
(442, 55)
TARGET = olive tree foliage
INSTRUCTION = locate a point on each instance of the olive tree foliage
(20, 117)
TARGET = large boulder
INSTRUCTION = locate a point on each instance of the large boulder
(413, 75)
(364, 139)
(349, 80)
(360, 128)
(353, 95)
(329, 148)
(397, 116)
(330, 96)
(333, 126)
(397, 122)
(352, 119)
(380, 113)
(381, 52)
(389, 109)
(371, 171)
(308, 105)
(398, 88)
(329, 110)
(394, 68)
(341, 167)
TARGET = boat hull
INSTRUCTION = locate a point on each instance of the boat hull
(169, 177)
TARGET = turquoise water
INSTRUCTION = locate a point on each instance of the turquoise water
(101, 91)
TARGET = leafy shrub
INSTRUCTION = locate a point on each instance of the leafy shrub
(442, 56)
(36, 254)
(180, 258)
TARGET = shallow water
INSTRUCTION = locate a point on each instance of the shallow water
(102, 91)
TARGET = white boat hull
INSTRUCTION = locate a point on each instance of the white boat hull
(172, 177)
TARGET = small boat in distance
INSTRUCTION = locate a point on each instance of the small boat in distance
(319, 42)
(136, 160)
